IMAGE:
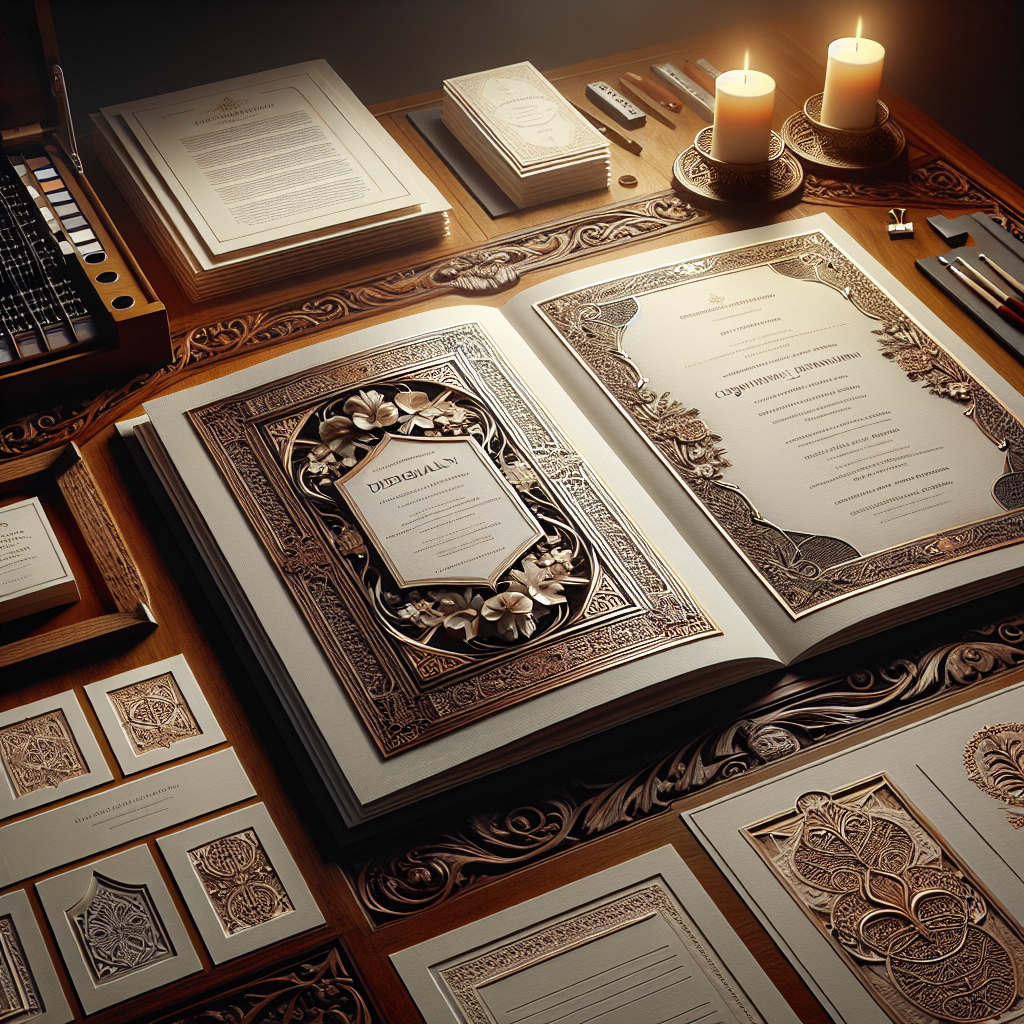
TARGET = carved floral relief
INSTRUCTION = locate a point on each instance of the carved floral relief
(913, 923)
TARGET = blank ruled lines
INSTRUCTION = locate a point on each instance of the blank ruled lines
(639, 973)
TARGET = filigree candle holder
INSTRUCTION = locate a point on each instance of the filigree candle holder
(844, 149)
(696, 171)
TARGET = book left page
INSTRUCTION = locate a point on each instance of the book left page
(413, 514)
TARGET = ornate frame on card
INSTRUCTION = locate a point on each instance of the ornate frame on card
(408, 687)
(907, 915)
(804, 573)
(464, 979)
(124, 585)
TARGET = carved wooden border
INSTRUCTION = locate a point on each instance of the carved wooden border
(492, 267)
(124, 585)
(320, 987)
(483, 270)
(792, 714)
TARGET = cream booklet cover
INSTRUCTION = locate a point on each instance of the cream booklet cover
(488, 563)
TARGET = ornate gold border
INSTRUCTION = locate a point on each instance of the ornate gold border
(851, 826)
(637, 608)
(591, 322)
(596, 921)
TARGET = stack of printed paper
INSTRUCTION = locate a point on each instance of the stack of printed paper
(525, 134)
(245, 181)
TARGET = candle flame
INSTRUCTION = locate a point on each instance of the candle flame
(860, 25)
(746, 66)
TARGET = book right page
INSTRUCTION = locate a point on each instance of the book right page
(831, 435)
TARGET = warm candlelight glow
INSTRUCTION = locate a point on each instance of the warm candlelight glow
(744, 102)
(852, 81)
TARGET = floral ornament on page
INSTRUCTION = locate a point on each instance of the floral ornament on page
(475, 619)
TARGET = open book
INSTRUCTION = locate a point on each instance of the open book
(466, 536)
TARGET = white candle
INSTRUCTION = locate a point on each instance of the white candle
(744, 103)
(852, 80)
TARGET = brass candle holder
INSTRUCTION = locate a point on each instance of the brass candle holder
(843, 149)
(696, 171)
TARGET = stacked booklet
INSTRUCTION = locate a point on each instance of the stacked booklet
(242, 182)
(460, 538)
(525, 134)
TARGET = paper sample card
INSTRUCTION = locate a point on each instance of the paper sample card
(34, 573)
(892, 881)
(117, 928)
(138, 808)
(29, 989)
(242, 886)
(154, 714)
(920, 932)
(47, 752)
(640, 943)
(526, 115)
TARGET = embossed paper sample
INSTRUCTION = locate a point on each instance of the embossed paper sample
(117, 928)
(154, 714)
(40, 752)
(18, 995)
(240, 882)
(810, 416)
(29, 990)
(47, 752)
(573, 589)
(917, 927)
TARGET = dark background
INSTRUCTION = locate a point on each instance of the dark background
(959, 60)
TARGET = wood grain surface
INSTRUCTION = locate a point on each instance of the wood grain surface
(187, 617)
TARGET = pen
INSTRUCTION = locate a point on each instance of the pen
(1011, 281)
(1004, 311)
(1004, 297)
(657, 92)
(610, 133)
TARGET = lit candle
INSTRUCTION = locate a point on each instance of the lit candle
(852, 81)
(744, 103)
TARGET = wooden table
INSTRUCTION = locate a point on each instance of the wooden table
(955, 657)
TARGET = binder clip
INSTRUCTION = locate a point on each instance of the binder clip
(901, 228)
